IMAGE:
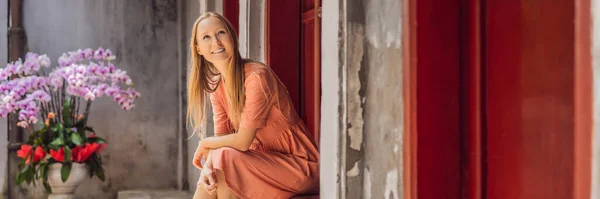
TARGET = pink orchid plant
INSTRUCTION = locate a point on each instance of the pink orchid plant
(54, 108)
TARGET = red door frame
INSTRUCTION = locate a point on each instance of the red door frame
(310, 53)
(472, 102)
(583, 100)
(409, 84)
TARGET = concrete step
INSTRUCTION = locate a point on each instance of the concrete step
(313, 196)
(153, 194)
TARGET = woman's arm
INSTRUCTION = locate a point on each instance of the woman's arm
(208, 161)
(240, 140)
(254, 116)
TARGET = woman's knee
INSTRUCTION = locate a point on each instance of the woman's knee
(201, 193)
(228, 154)
(227, 150)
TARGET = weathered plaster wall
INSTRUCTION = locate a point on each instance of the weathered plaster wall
(143, 143)
(381, 98)
(251, 34)
(374, 99)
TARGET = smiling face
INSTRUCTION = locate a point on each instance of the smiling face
(213, 41)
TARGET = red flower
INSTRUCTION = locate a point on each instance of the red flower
(26, 151)
(92, 135)
(101, 148)
(80, 154)
(58, 155)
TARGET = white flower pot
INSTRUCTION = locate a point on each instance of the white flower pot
(60, 189)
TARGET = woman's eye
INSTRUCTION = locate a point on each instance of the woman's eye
(221, 32)
(206, 37)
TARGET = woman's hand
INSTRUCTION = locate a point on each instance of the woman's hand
(201, 153)
(208, 180)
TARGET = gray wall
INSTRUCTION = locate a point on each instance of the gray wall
(3, 60)
(191, 11)
(372, 142)
(381, 80)
(143, 143)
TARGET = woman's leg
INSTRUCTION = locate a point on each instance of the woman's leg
(202, 194)
(223, 190)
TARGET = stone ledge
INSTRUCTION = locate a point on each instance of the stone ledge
(153, 194)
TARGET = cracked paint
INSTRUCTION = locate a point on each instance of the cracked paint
(384, 32)
(355, 119)
(391, 185)
(354, 171)
(367, 184)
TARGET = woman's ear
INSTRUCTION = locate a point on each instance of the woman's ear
(198, 49)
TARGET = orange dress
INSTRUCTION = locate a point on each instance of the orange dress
(283, 160)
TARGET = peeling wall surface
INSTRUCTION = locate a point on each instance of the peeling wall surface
(143, 143)
(382, 98)
(374, 99)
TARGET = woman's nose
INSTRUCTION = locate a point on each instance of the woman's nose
(217, 41)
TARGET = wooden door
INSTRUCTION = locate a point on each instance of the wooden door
(231, 11)
(438, 99)
(292, 49)
(531, 120)
(310, 53)
(523, 116)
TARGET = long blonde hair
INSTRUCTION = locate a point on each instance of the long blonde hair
(203, 78)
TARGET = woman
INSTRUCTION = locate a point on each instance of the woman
(261, 148)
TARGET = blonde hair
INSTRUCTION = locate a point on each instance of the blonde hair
(202, 78)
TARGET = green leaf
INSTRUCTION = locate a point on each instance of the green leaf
(65, 171)
(100, 173)
(76, 139)
(31, 156)
(87, 128)
(80, 126)
(61, 134)
(67, 154)
(29, 175)
(57, 142)
(47, 186)
(54, 147)
(44, 170)
(67, 112)
(20, 178)
(79, 123)
(97, 140)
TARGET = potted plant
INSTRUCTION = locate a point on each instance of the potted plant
(61, 150)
